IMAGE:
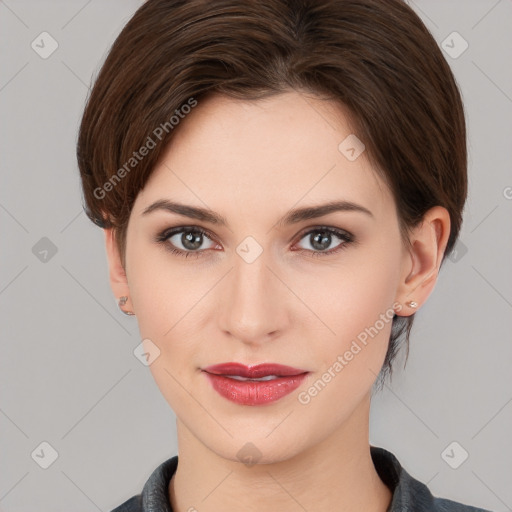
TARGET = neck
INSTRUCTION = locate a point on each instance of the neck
(336, 474)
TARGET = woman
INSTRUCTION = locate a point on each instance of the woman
(279, 183)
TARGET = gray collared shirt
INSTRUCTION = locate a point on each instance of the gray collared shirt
(409, 495)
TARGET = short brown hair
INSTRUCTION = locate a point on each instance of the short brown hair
(374, 57)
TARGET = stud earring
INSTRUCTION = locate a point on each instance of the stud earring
(122, 302)
(412, 304)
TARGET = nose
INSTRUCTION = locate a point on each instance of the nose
(255, 303)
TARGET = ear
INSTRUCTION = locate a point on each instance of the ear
(117, 274)
(422, 260)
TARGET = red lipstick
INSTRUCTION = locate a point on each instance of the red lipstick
(235, 381)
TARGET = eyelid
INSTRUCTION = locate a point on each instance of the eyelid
(320, 227)
(167, 233)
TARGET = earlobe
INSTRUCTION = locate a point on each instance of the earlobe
(423, 260)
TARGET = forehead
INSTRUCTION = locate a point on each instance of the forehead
(283, 150)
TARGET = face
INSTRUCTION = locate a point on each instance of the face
(314, 293)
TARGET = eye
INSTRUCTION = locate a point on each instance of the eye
(320, 238)
(184, 240)
(189, 240)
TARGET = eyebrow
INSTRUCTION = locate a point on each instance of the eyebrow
(294, 216)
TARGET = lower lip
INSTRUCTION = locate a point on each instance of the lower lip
(253, 392)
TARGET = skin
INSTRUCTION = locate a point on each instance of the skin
(251, 162)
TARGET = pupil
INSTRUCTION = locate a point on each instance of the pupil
(190, 241)
(318, 241)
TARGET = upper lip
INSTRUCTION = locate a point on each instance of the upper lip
(254, 371)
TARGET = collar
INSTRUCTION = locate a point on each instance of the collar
(409, 495)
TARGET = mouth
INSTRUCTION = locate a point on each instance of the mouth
(259, 372)
(254, 385)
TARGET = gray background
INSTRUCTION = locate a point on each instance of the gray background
(68, 374)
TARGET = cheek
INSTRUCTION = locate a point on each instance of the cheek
(359, 311)
(356, 307)
(170, 311)
(158, 291)
(166, 304)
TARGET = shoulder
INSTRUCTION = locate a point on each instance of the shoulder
(410, 494)
(134, 504)
(154, 495)
(445, 505)
(415, 495)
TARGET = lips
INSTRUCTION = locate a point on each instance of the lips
(235, 381)
(253, 372)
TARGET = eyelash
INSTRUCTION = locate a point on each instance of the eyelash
(163, 237)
